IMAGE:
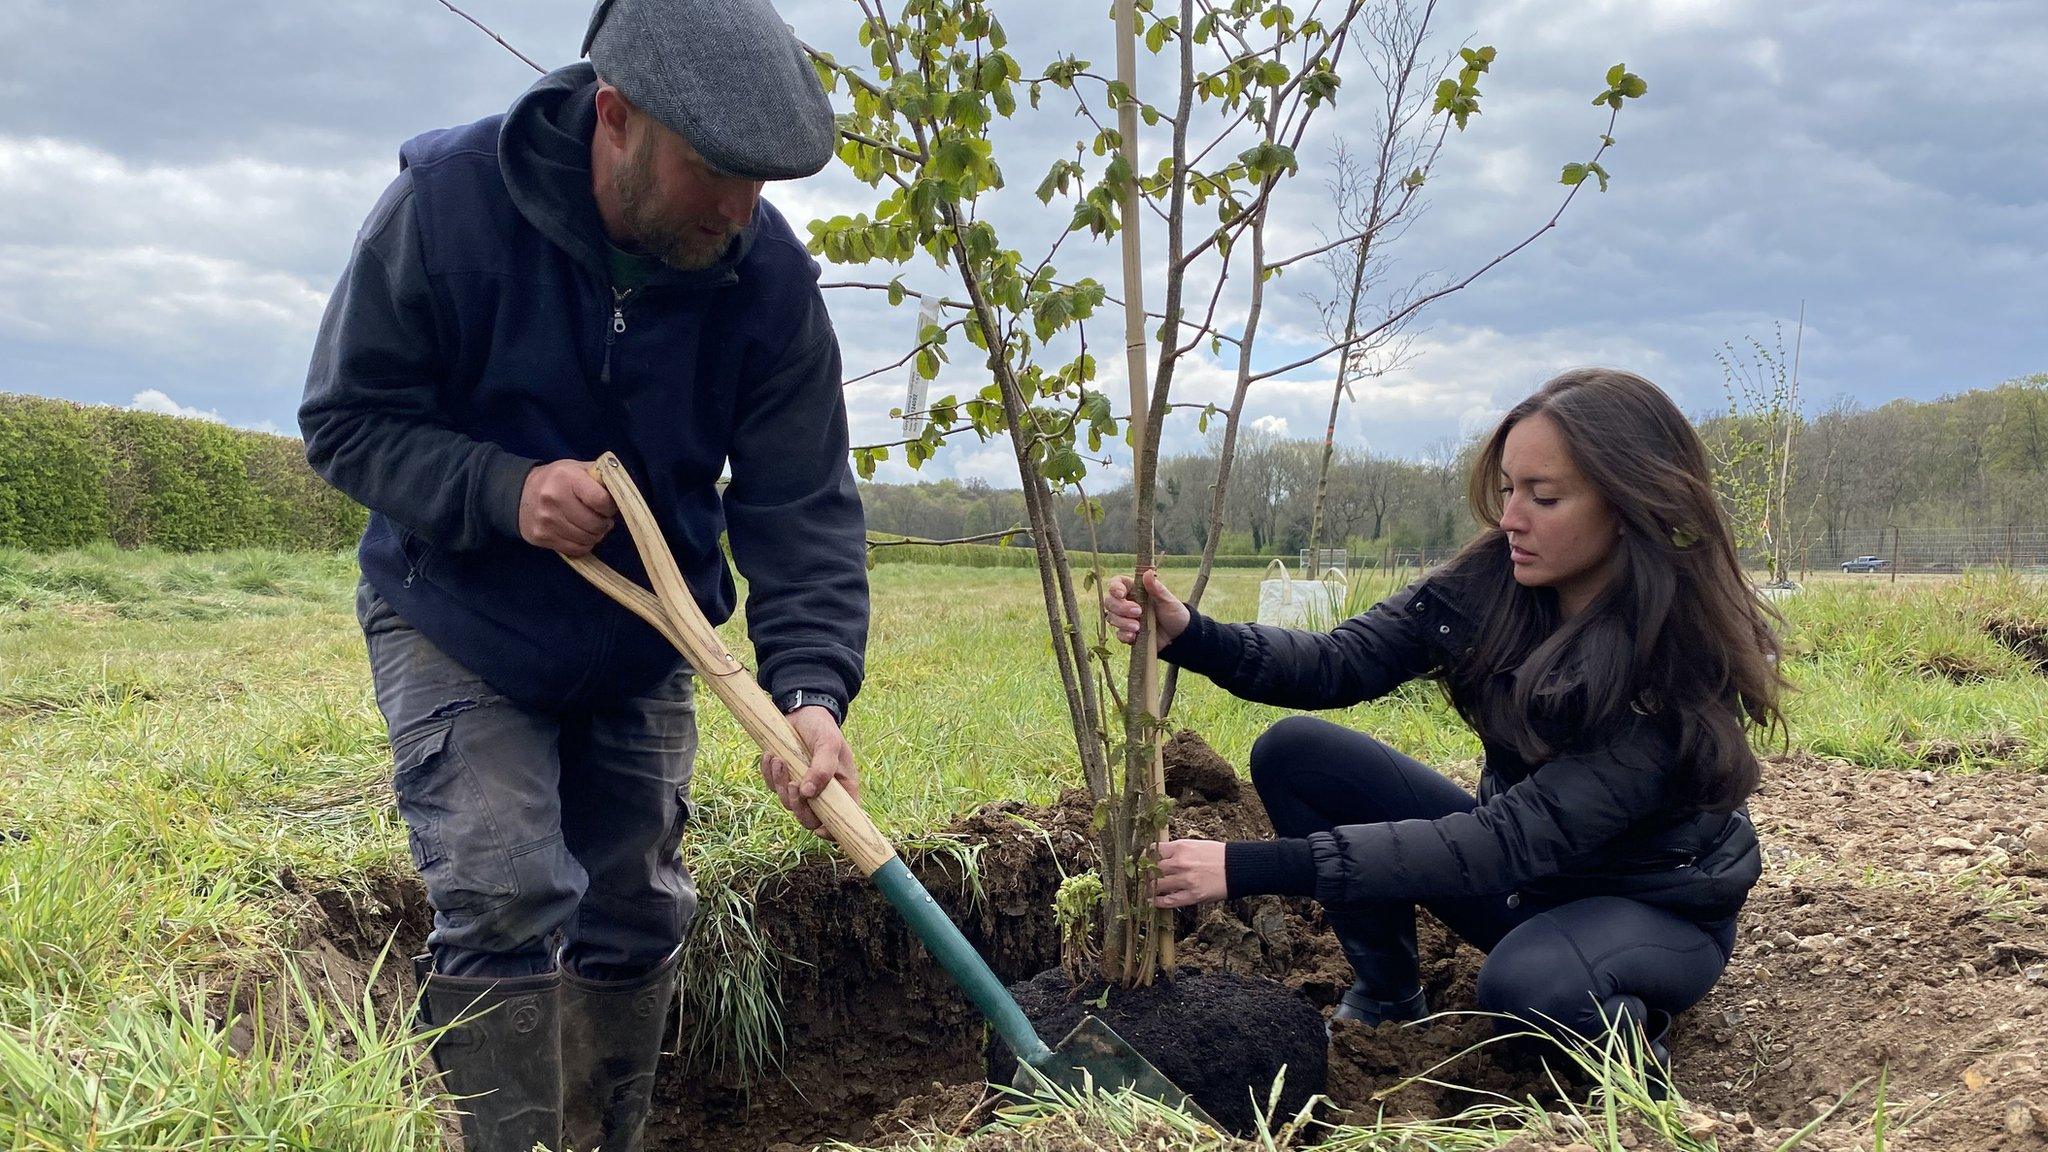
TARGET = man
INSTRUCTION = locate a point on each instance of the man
(593, 270)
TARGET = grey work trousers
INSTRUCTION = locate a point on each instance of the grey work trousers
(534, 829)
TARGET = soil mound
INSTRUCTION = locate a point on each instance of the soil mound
(1221, 1038)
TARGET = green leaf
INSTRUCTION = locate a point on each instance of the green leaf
(1615, 74)
(895, 292)
(1574, 175)
(1155, 37)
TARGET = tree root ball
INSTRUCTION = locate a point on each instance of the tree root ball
(1222, 1038)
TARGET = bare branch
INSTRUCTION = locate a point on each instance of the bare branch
(944, 301)
(1423, 301)
(494, 36)
(1004, 535)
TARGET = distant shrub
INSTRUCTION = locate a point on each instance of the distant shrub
(53, 475)
(71, 474)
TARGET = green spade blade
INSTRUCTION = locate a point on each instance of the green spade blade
(1093, 1054)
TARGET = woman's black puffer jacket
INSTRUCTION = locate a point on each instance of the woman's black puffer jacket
(1598, 819)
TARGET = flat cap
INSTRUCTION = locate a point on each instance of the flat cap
(726, 75)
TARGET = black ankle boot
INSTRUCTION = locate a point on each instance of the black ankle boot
(1654, 1026)
(1359, 1004)
(1382, 954)
(501, 1058)
(611, 1041)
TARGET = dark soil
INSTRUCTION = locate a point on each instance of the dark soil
(2026, 636)
(1221, 1038)
(1902, 924)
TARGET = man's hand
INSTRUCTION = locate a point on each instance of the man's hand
(1190, 872)
(830, 757)
(563, 508)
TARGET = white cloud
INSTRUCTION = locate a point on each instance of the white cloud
(1271, 425)
(162, 300)
(154, 400)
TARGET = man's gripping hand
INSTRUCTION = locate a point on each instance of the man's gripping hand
(563, 508)
(830, 757)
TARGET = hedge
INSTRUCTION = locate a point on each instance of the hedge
(1019, 555)
(71, 474)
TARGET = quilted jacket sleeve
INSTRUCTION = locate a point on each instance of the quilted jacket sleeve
(1365, 657)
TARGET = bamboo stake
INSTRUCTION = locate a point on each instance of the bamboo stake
(1143, 765)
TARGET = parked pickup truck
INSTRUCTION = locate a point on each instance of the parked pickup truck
(1864, 564)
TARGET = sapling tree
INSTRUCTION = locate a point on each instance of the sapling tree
(1755, 448)
(1244, 83)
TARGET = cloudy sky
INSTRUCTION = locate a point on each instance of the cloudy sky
(180, 181)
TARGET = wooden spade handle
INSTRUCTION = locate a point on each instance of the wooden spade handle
(674, 613)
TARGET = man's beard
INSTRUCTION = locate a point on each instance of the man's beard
(680, 244)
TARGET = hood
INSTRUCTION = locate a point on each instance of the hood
(544, 153)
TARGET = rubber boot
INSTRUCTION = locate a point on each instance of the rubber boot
(611, 1041)
(1379, 960)
(502, 1056)
(1654, 1026)
(1358, 1004)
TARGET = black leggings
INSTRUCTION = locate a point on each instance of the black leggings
(1567, 963)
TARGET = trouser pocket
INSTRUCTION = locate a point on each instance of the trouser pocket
(454, 840)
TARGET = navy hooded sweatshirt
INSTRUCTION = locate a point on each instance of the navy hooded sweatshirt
(475, 334)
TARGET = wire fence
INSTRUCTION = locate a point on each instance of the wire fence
(1926, 550)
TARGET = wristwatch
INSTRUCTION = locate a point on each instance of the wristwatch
(799, 698)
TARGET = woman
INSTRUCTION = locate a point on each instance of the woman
(1600, 637)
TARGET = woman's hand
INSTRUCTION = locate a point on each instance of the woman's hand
(1190, 872)
(1123, 612)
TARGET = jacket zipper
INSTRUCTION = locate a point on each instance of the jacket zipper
(617, 329)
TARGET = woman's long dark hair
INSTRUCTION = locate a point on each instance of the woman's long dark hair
(1678, 631)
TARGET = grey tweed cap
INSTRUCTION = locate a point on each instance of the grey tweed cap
(727, 75)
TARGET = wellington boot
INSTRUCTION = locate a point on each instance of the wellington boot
(500, 1056)
(611, 1041)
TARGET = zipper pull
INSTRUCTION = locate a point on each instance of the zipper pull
(604, 375)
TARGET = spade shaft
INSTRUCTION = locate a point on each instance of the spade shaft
(1092, 1053)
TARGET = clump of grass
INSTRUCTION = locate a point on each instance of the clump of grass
(156, 1072)
(261, 573)
(190, 576)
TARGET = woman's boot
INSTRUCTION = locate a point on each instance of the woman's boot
(1383, 961)
(1629, 1016)
(500, 1058)
(611, 1041)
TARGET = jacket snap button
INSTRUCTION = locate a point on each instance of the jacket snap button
(1444, 628)
(1514, 899)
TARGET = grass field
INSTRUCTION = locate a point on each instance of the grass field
(178, 734)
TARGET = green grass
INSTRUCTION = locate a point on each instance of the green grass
(177, 732)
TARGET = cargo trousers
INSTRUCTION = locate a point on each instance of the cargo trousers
(536, 830)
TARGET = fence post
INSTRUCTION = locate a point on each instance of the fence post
(1895, 553)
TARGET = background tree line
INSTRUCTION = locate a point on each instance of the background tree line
(1975, 462)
